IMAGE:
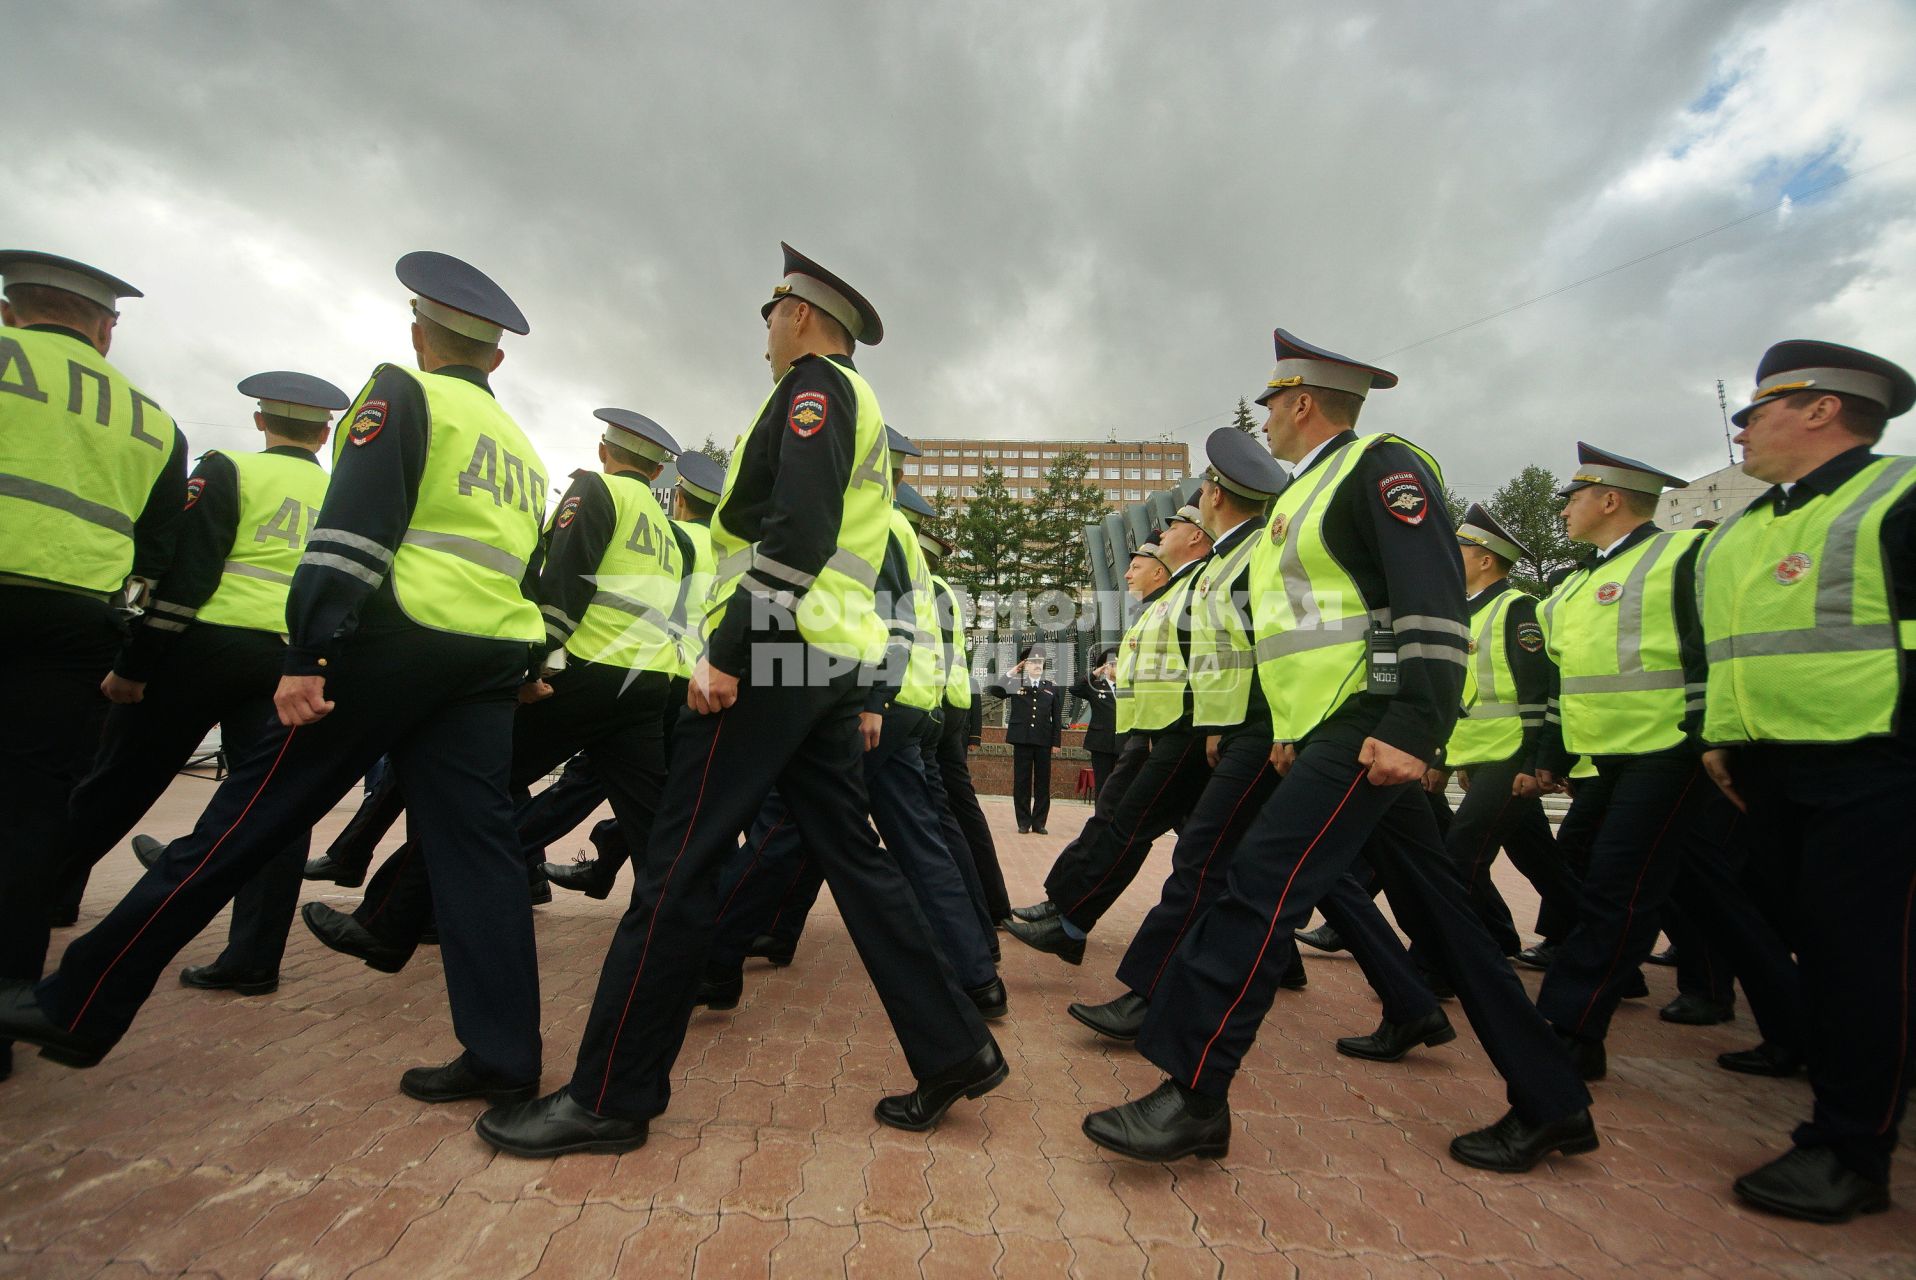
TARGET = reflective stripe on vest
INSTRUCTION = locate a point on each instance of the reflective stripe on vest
(1124, 698)
(80, 451)
(957, 659)
(695, 595)
(279, 501)
(1611, 630)
(835, 608)
(1151, 664)
(1307, 612)
(1222, 663)
(1491, 728)
(1804, 644)
(628, 621)
(924, 684)
(477, 519)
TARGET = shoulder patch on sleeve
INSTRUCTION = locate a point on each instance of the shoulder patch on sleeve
(194, 488)
(368, 422)
(568, 511)
(1529, 637)
(808, 412)
(1402, 494)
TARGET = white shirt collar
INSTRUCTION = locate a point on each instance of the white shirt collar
(1605, 553)
(1303, 463)
(1225, 536)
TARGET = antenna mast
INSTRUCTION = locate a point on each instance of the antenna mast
(1723, 403)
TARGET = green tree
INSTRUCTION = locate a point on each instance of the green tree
(992, 535)
(1455, 504)
(1242, 418)
(1528, 508)
(716, 452)
(1066, 503)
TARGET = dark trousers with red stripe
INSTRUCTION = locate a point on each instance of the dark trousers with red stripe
(1661, 809)
(442, 705)
(1065, 868)
(382, 806)
(930, 737)
(802, 738)
(551, 815)
(1732, 934)
(1168, 782)
(961, 796)
(210, 675)
(616, 713)
(1840, 819)
(768, 887)
(1221, 979)
(1490, 818)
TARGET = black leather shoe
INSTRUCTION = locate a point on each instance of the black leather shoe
(1323, 937)
(22, 1018)
(1697, 1011)
(767, 948)
(1048, 935)
(997, 950)
(1168, 1123)
(212, 977)
(1537, 957)
(1120, 1019)
(1295, 979)
(1036, 911)
(63, 917)
(1039, 831)
(325, 867)
(1392, 1040)
(540, 891)
(922, 1108)
(1024, 831)
(1666, 957)
(1591, 1061)
(1812, 1184)
(719, 994)
(1764, 1060)
(582, 876)
(349, 937)
(457, 1081)
(149, 851)
(1513, 1144)
(1634, 987)
(991, 1000)
(554, 1125)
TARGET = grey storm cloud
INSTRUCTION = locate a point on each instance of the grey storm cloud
(1078, 219)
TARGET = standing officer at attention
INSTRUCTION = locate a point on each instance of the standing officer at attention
(1034, 726)
(410, 634)
(209, 650)
(1097, 691)
(1358, 606)
(799, 536)
(92, 474)
(1809, 604)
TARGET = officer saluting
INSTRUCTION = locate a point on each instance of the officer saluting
(799, 537)
(1034, 726)
(1809, 606)
(428, 529)
(1358, 608)
(92, 475)
(209, 650)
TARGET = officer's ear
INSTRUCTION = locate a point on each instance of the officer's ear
(498, 358)
(259, 422)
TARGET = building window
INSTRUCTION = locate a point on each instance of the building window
(1174, 473)
(951, 468)
(911, 468)
(1032, 453)
(1111, 473)
(1132, 473)
(929, 491)
(989, 453)
(965, 492)
(1032, 473)
(1132, 455)
(1153, 473)
(971, 468)
(1134, 495)
(1716, 504)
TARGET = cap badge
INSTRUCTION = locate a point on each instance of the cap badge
(1280, 523)
(1610, 593)
(1791, 568)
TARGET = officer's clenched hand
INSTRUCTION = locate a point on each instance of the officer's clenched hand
(711, 690)
(1716, 763)
(1210, 747)
(1283, 756)
(1435, 780)
(1525, 785)
(301, 700)
(120, 689)
(1388, 765)
(534, 691)
(870, 725)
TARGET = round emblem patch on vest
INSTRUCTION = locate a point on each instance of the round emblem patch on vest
(1279, 523)
(368, 422)
(194, 488)
(1471, 647)
(1791, 568)
(1610, 593)
(808, 413)
(1403, 496)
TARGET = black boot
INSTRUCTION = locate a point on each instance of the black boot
(1539, 956)
(582, 876)
(326, 867)
(554, 1125)
(1295, 979)
(719, 994)
(1765, 1060)
(1392, 1040)
(1120, 1019)
(22, 1018)
(1812, 1184)
(349, 937)
(457, 1080)
(1323, 937)
(1513, 1144)
(1697, 1011)
(1036, 911)
(767, 948)
(1634, 987)
(1168, 1123)
(1591, 1061)
(990, 999)
(923, 1107)
(1048, 935)
(216, 977)
(149, 851)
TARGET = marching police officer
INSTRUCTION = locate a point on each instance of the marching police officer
(799, 537)
(1358, 608)
(209, 650)
(410, 634)
(1096, 689)
(92, 473)
(1034, 726)
(1809, 605)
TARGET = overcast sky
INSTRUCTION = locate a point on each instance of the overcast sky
(1077, 219)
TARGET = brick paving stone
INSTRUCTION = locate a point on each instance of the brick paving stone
(769, 1179)
(590, 1244)
(365, 1233)
(959, 1255)
(665, 1246)
(1235, 1264)
(707, 1174)
(439, 1239)
(739, 1248)
(1092, 1210)
(884, 1251)
(813, 1249)
(1167, 1261)
(1026, 1202)
(896, 1191)
(1095, 1259)
(638, 1176)
(833, 1183)
(960, 1181)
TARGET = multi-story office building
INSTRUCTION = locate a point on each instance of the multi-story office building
(1717, 496)
(1127, 470)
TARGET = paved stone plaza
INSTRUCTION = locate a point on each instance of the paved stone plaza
(251, 1137)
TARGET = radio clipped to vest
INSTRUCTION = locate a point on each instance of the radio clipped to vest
(1380, 642)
